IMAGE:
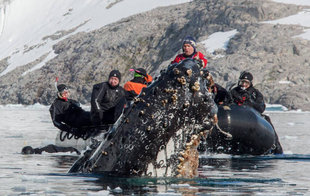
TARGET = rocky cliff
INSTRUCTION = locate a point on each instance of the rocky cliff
(279, 62)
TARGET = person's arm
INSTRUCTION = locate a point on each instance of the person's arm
(129, 91)
(235, 96)
(75, 105)
(95, 107)
(98, 95)
(259, 103)
(204, 59)
(213, 108)
(130, 95)
(94, 95)
(177, 59)
(222, 96)
(148, 79)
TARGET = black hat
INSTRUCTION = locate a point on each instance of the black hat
(115, 73)
(61, 88)
(246, 76)
(28, 150)
(141, 71)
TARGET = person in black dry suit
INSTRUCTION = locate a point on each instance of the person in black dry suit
(51, 148)
(107, 100)
(246, 94)
(67, 115)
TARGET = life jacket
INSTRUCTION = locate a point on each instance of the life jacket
(136, 85)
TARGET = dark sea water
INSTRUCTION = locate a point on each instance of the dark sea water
(220, 174)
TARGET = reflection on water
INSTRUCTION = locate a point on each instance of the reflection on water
(233, 175)
(235, 164)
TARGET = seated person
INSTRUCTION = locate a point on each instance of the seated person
(246, 94)
(107, 100)
(189, 51)
(134, 87)
(66, 114)
(221, 96)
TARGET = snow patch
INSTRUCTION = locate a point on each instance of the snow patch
(38, 66)
(302, 19)
(218, 40)
(296, 2)
(284, 82)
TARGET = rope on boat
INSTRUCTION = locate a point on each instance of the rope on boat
(69, 136)
(228, 135)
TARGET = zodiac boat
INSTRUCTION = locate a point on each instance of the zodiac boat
(248, 132)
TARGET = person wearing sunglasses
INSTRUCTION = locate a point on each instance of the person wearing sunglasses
(246, 94)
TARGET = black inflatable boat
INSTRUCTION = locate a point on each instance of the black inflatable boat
(250, 133)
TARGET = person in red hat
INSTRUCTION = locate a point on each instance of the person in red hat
(134, 87)
(107, 100)
(189, 51)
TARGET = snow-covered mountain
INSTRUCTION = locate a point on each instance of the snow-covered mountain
(29, 29)
(79, 41)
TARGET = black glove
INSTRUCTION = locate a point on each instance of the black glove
(76, 106)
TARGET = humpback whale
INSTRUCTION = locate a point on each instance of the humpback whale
(158, 134)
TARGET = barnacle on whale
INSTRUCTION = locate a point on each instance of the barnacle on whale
(188, 167)
(174, 98)
(186, 104)
(142, 112)
(182, 80)
(196, 86)
(176, 71)
(189, 72)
